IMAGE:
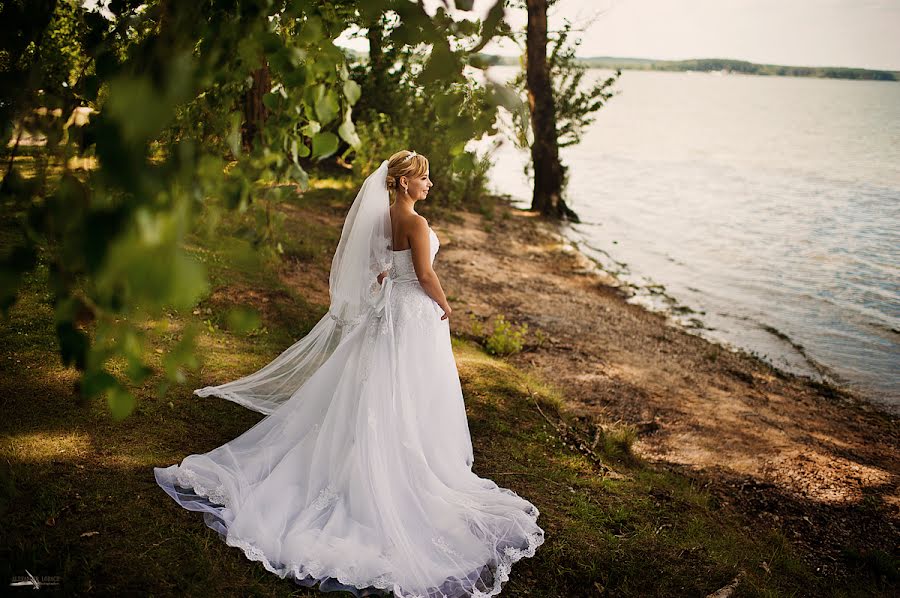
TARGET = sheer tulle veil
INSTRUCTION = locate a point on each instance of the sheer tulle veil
(363, 252)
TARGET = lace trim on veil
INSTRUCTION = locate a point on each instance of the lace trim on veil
(314, 569)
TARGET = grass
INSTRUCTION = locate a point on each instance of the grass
(640, 533)
(79, 498)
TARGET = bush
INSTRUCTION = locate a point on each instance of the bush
(506, 338)
(390, 115)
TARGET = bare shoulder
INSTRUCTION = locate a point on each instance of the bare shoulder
(410, 225)
(409, 222)
(417, 232)
(418, 224)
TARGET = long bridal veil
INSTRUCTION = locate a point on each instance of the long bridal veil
(363, 252)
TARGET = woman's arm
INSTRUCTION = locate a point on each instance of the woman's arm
(420, 243)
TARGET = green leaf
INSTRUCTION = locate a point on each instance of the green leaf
(139, 110)
(503, 95)
(138, 371)
(300, 175)
(464, 162)
(327, 107)
(311, 128)
(271, 42)
(295, 79)
(311, 31)
(347, 130)
(352, 90)
(442, 64)
(94, 383)
(121, 402)
(271, 101)
(324, 145)
(446, 105)
(348, 133)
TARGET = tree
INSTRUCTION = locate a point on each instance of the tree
(404, 87)
(548, 170)
(167, 83)
(573, 106)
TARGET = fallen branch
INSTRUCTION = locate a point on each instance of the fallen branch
(729, 589)
(573, 440)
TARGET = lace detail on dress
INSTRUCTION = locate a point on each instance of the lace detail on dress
(385, 581)
(318, 572)
(441, 543)
(351, 322)
(188, 479)
(376, 327)
(326, 497)
(412, 305)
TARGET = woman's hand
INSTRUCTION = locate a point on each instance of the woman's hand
(381, 276)
(447, 312)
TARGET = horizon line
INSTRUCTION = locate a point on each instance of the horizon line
(603, 57)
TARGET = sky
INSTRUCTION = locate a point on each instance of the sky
(852, 33)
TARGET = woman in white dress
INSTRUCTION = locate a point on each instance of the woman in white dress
(359, 477)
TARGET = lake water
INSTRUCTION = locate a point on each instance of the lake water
(761, 212)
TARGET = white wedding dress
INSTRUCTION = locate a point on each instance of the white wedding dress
(361, 481)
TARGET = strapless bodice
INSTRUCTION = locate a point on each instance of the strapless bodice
(403, 270)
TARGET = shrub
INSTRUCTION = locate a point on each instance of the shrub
(506, 338)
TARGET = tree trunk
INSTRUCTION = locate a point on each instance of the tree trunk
(548, 171)
(375, 36)
(376, 92)
(255, 112)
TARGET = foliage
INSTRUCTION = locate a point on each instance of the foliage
(420, 104)
(575, 103)
(107, 205)
(505, 338)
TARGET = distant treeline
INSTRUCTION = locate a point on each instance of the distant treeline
(719, 64)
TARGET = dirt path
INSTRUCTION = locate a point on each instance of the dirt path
(818, 463)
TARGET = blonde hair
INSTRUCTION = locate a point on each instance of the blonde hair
(405, 163)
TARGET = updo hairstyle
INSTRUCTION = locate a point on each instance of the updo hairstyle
(400, 164)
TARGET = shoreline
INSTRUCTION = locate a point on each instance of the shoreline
(655, 298)
(817, 460)
(690, 320)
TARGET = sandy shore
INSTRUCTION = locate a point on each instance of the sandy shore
(817, 462)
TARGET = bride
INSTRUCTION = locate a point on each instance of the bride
(359, 477)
